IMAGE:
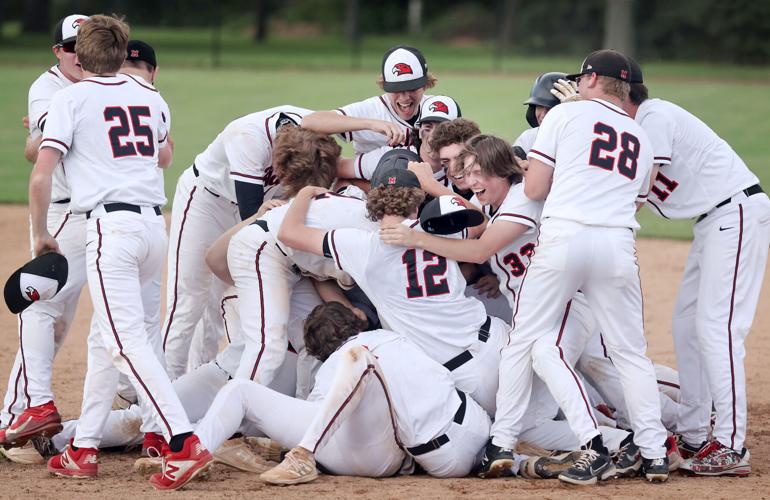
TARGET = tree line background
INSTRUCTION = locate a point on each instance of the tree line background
(735, 31)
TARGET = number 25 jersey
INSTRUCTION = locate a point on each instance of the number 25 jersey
(109, 130)
(602, 161)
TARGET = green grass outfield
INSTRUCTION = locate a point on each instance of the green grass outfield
(204, 100)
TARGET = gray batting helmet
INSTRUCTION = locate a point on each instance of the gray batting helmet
(541, 95)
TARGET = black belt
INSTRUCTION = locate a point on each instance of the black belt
(466, 356)
(749, 191)
(438, 442)
(262, 224)
(62, 202)
(115, 207)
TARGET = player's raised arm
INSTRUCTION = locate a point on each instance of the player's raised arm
(294, 233)
(331, 122)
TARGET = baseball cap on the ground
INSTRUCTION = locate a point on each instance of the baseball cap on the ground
(392, 169)
(404, 68)
(605, 63)
(67, 29)
(439, 108)
(448, 214)
(138, 50)
(39, 279)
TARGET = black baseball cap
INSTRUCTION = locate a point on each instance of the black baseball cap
(66, 29)
(138, 50)
(448, 214)
(605, 63)
(636, 71)
(392, 169)
(403, 68)
(39, 279)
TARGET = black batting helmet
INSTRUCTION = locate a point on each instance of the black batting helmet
(541, 95)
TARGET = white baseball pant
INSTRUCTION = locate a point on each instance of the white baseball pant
(124, 255)
(44, 325)
(601, 262)
(198, 218)
(714, 310)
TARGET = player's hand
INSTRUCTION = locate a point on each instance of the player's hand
(565, 90)
(423, 171)
(312, 191)
(398, 235)
(269, 205)
(359, 313)
(488, 285)
(25, 122)
(44, 243)
(523, 164)
(395, 134)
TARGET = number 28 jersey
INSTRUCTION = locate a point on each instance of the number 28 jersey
(602, 161)
(415, 292)
(110, 129)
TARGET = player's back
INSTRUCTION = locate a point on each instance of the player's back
(327, 211)
(422, 390)
(113, 128)
(602, 161)
(698, 168)
(416, 293)
(259, 130)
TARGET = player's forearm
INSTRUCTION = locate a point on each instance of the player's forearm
(30, 148)
(474, 251)
(294, 233)
(330, 291)
(39, 199)
(216, 255)
(331, 122)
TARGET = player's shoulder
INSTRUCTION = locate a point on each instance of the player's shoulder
(516, 204)
(526, 138)
(655, 108)
(48, 83)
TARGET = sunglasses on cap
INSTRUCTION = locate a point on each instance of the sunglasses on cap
(68, 47)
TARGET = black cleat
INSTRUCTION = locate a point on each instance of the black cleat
(590, 467)
(547, 467)
(496, 462)
(655, 470)
(628, 459)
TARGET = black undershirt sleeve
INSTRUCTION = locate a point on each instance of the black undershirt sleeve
(250, 197)
(327, 251)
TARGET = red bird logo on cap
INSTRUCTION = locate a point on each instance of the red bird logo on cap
(134, 53)
(77, 22)
(457, 201)
(439, 107)
(391, 180)
(402, 69)
(32, 293)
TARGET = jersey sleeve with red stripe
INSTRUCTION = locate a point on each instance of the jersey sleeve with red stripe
(546, 144)
(248, 153)
(349, 248)
(59, 123)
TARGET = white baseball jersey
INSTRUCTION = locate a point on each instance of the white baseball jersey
(600, 172)
(243, 151)
(698, 168)
(416, 293)
(379, 108)
(109, 129)
(526, 139)
(40, 94)
(509, 263)
(327, 211)
(366, 163)
(404, 365)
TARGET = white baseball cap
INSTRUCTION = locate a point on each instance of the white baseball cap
(67, 29)
(404, 68)
(439, 108)
(39, 279)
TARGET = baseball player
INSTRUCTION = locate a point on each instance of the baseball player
(44, 325)
(448, 139)
(225, 184)
(377, 381)
(592, 162)
(541, 99)
(698, 175)
(384, 120)
(112, 130)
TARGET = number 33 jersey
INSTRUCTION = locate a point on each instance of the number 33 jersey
(602, 161)
(109, 130)
(416, 293)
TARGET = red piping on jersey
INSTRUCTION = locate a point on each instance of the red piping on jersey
(56, 141)
(390, 408)
(54, 73)
(535, 151)
(267, 130)
(334, 250)
(506, 214)
(394, 115)
(61, 226)
(261, 308)
(360, 169)
(350, 134)
(668, 384)
(176, 266)
(569, 368)
(414, 224)
(604, 347)
(140, 83)
(342, 406)
(103, 83)
(507, 277)
(730, 322)
(656, 207)
(610, 108)
(24, 361)
(115, 332)
(224, 319)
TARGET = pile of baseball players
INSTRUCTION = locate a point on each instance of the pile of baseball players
(441, 301)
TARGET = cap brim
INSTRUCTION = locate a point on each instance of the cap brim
(437, 119)
(453, 222)
(405, 85)
(13, 298)
(574, 76)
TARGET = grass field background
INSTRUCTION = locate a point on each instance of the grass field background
(316, 74)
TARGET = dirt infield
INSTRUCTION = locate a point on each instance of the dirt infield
(662, 263)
